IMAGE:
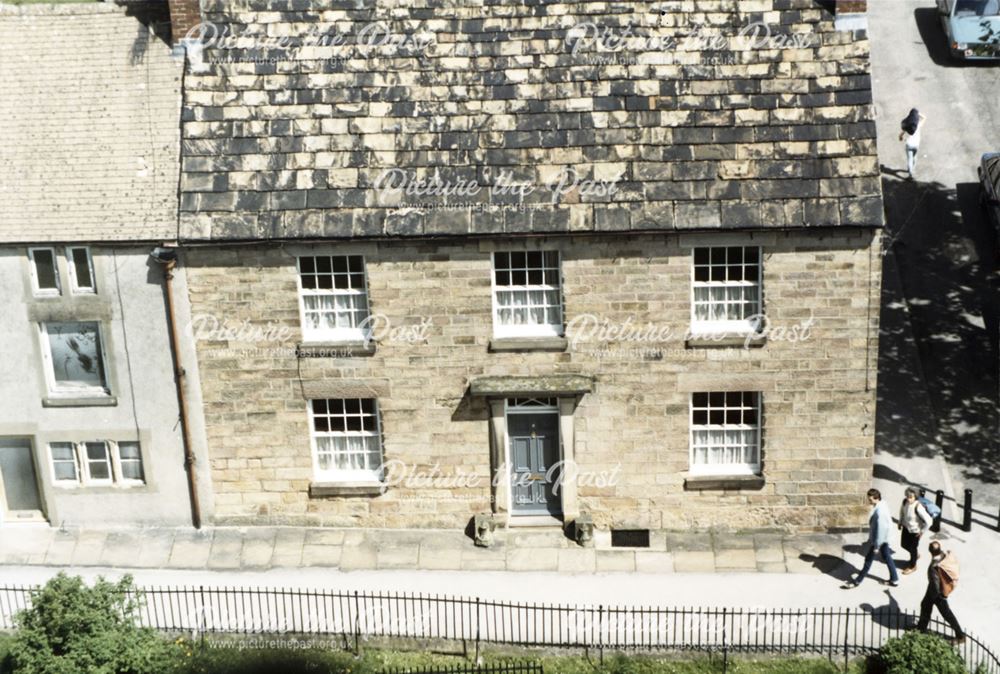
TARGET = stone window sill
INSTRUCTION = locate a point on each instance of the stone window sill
(81, 401)
(725, 340)
(724, 483)
(321, 489)
(335, 349)
(520, 344)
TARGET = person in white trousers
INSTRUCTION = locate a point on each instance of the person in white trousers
(912, 139)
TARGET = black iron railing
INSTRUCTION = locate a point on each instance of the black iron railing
(355, 616)
(512, 667)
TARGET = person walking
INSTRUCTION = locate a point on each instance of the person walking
(942, 576)
(879, 524)
(911, 134)
(914, 520)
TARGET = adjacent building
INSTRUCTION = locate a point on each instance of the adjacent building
(90, 431)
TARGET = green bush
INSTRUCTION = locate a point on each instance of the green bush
(918, 653)
(72, 628)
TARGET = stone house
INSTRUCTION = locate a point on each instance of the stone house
(542, 263)
(89, 432)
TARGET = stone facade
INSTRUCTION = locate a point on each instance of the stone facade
(818, 390)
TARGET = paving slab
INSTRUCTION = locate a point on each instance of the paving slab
(484, 559)
(60, 550)
(154, 549)
(120, 545)
(435, 557)
(288, 544)
(735, 560)
(532, 559)
(770, 554)
(258, 548)
(356, 557)
(25, 544)
(227, 549)
(191, 549)
(89, 545)
(397, 556)
(321, 555)
(772, 567)
(616, 560)
(648, 561)
(536, 539)
(578, 560)
(694, 561)
(732, 541)
(324, 537)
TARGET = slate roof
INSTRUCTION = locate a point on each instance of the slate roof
(90, 122)
(676, 122)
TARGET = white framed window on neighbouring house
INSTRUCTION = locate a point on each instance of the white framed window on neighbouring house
(527, 294)
(346, 439)
(81, 270)
(725, 433)
(74, 359)
(95, 463)
(64, 462)
(333, 298)
(726, 290)
(44, 272)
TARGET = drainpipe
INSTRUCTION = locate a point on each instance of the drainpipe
(168, 258)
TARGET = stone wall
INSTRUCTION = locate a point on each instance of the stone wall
(819, 393)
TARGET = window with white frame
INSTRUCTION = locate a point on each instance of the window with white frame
(347, 443)
(130, 462)
(64, 462)
(81, 270)
(97, 463)
(334, 298)
(726, 285)
(527, 296)
(725, 433)
(44, 272)
(73, 354)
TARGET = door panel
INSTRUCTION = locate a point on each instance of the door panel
(534, 449)
(20, 482)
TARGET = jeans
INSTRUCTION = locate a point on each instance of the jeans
(910, 543)
(886, 553)
(932, 599)
(911, 159)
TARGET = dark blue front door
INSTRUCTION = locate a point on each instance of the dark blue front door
(534, 449)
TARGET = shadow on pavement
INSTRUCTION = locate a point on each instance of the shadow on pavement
(937, 303)
(889, 615)
(831, 566)
(933, 36)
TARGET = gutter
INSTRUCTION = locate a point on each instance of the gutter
(168, 258)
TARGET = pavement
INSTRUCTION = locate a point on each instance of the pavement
(938, 366)
(516, 550)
